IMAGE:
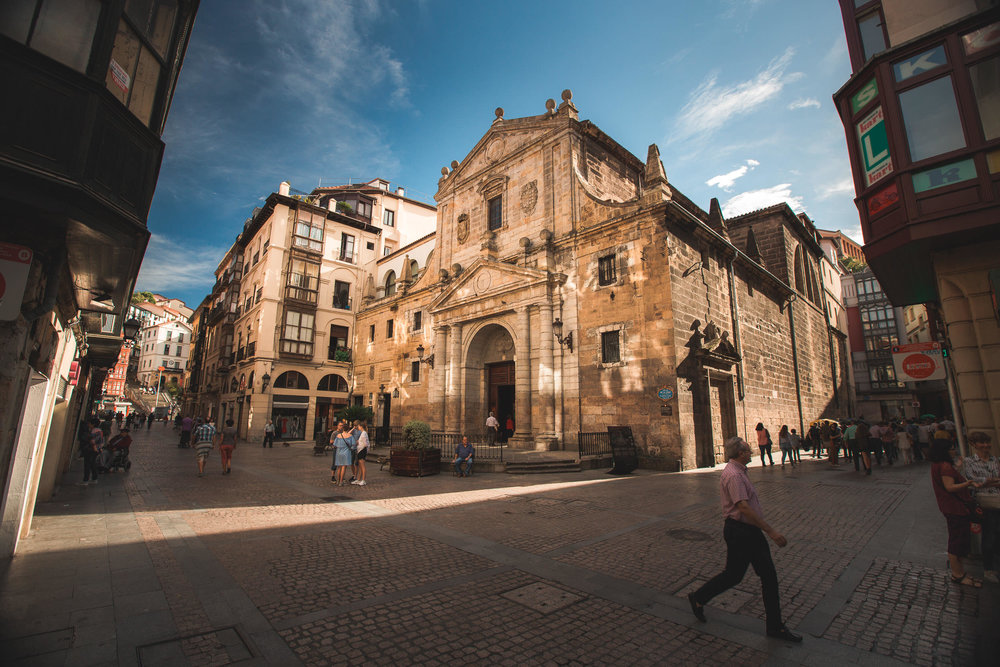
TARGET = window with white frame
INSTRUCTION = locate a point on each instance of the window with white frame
(297, 333)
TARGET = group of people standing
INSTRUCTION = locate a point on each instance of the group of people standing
(350, 445)
(859, 441)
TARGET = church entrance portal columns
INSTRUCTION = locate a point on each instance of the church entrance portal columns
(522, 383)
(453, 421)
(546, 377)
(440, 376)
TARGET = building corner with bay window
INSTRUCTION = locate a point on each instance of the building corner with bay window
(921, 113)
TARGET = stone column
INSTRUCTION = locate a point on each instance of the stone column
(522, 382)
(437, 399)
(453, 420)
(546, 395)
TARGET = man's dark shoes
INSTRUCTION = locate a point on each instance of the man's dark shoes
(698, 609)
(785, 634)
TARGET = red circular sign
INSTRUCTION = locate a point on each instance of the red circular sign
(919, 366)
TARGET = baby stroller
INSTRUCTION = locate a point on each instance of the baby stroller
(322, 443)
(115, 455)
(119, 460)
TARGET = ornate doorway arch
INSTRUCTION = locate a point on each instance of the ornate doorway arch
(490, 374)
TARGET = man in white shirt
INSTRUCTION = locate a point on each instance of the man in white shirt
(492, 428)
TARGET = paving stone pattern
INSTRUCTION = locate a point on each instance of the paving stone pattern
(895, 605)
(273, 565)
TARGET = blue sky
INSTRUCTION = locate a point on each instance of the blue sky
(736, 94)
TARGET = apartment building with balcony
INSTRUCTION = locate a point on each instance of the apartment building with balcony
(279, 332)
(874, 327)
(164, 345)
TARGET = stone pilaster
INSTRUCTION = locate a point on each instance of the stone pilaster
(545, 430)
(522, 384)
(438, 391)
(453, 420)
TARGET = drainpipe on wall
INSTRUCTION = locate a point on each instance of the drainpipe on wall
(795, 360)
(734, 313)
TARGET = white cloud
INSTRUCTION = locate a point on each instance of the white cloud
(726, 181)
(745, 202)
(842, 187)
(170, 266)
(804, 103)
(712, 105)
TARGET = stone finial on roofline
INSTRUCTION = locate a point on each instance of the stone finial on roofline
(752, 249)
(655, 187)
(715, 219)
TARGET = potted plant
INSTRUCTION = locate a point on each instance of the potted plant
(416, 457)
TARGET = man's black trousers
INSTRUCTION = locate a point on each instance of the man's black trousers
(746, 545)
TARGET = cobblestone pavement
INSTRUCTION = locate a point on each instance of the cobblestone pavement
(274, 565)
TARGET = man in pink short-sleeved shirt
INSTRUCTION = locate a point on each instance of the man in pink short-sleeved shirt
(744, 532)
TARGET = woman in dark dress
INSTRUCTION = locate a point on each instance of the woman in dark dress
(954, 501)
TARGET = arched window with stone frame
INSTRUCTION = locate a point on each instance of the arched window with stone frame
(390, 283)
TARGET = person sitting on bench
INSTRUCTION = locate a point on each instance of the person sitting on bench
(463, 455)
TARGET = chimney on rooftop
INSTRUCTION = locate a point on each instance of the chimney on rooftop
(400, 191)
(284, 187)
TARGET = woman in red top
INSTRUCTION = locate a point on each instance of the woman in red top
(953, 498)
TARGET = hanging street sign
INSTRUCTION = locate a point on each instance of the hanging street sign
(15, 261)
(918, 361)
(875, 158)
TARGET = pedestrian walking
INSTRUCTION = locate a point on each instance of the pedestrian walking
(269, 434)
(851, 444)
(204, 441)
(149, 421)
(227, 444)
(764, 442)
(904, 445)
(954, 500)
(984, 469)
(186, 425)
(835, 442)
(342, 456)
(796, 446)
(888, 442)
(492, 427)
(785, 444)
(744, 532)
(815, 442)
(361, 472)
(91, 440)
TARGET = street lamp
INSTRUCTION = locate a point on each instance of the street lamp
(567, 340)
(265, 380)
(159, 377)
(130, 329)
(420, 356)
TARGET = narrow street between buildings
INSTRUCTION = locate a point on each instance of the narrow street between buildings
(274, 565)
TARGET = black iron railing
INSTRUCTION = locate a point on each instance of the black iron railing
(597, 443)
(446, 442)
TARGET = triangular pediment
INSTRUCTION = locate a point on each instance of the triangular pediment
(503, 139)
(485, 280)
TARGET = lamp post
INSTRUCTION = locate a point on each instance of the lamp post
(159, 376)
(567, 340)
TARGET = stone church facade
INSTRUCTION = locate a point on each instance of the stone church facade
(573, 288)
